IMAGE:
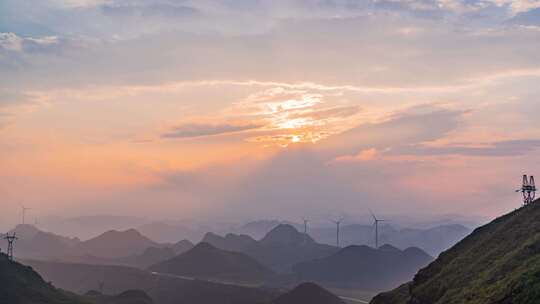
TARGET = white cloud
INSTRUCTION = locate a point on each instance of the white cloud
(10, 42)
(13, 42)
(518, 6)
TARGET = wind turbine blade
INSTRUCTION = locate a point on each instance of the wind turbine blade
(372, 215)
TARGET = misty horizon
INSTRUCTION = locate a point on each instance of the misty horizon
(233, 111)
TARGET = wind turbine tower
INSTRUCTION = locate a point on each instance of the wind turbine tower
(376, 223)
(11, 239)
(24, 209)
(338, 224)
(305, 224)
(528, 189)
(306, 221)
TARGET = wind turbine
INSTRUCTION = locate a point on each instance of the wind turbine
(376, 223)
(338, 224)
(306, 221)
(24, 209)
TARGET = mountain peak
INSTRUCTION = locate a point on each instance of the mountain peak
(205, 260)
(116, 244)
(388, 247)
(25, 231)
(285, 234)
(202, 247)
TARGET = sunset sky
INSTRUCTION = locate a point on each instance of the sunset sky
(247, 109)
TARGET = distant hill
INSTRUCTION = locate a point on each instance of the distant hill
(34, 243)
(153, 255)
(308, 293)
(86, 227)
(285, 235)
(165, 232)
(81, 278)
(498, 263)
(284, 246)
(433, 240)
(258, 229)
(116, 244)
(149, 257)
(365, 267)
(279, 249)
(21, 284)
(232, 242)
(207, 261)
(111, 248)
(182, 246)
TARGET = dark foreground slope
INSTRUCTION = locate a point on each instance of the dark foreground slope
(498, 263)
(308, 293)
(20, 284)
(163, 289)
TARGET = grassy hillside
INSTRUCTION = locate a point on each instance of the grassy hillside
(497, 263)
(20, 284)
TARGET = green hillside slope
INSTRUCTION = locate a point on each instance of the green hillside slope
(498, 263)
(20, 284)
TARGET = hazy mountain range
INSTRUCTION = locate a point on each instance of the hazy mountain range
(364, 267)
(497, 263)
(112, 247)
(279, 249)
(401, 232)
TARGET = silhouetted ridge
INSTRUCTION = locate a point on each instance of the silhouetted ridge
(285, 234)
(364, 267)
(34, 243)
(232, 242)
(498, 263)
(281, 248)
(182, 246)
(207, 261)
(387, 247)
(116, 244)
(308, 293)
